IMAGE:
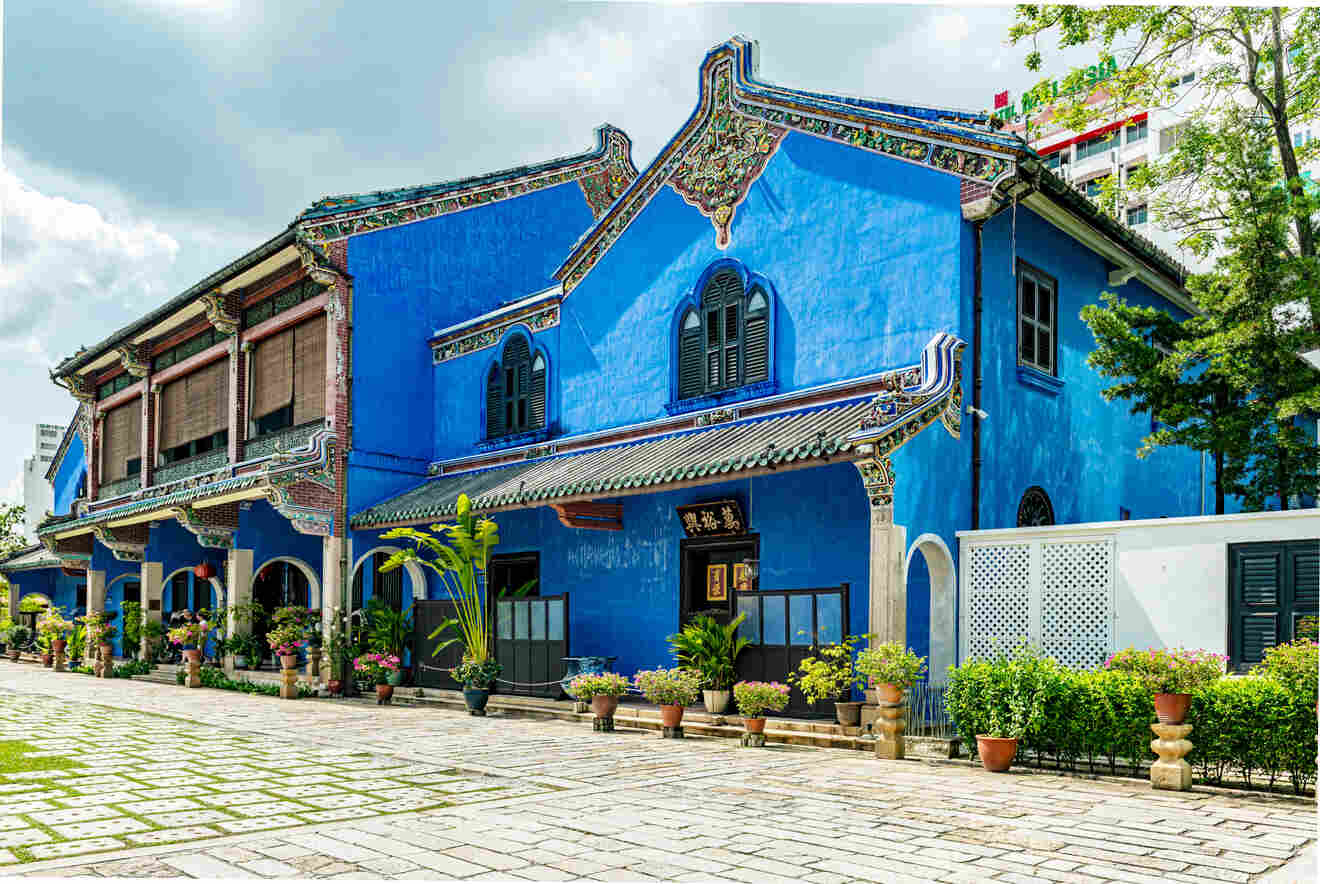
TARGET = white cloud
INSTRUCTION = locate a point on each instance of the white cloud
(950, 27)
(61, 256)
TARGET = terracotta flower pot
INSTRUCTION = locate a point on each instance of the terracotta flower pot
(996, 753)
(671, 716)
(192, 655)
(107, 652)
(754, 725)
(289, 661)
(335, 686)
(13, 654)
(848, 713)
(603, 705)
(58, 645)
(1172, 708)
(48, 660)
(383, 693)
(888, 693)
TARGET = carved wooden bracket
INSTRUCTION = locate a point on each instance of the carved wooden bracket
(878, 478)
(134, 359)
(215, 529)
(592, 515)
(128, 544)
(219, 312)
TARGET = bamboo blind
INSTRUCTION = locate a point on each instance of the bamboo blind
(309, 370)
(122, 440)
(272, 374)
(195, 406)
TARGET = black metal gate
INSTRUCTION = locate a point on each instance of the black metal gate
(429, 670)
(785, 626)
(531, 640)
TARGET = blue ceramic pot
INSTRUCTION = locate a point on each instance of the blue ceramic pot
(476, 698)
(575, 666)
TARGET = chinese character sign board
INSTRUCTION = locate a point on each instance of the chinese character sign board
(712, 519)
(717, 583)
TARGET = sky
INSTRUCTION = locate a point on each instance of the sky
(147, 143)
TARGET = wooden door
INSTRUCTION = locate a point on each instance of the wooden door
(531, 642)
(785, 626)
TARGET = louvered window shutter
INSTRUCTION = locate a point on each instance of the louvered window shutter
(272, 374)
(495, 403)
(689, 356)
(537, 393)
(756, 339)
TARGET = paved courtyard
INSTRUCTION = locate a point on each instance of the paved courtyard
(171, 783)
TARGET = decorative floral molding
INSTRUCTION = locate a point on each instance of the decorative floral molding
(211, 532)
(222, 319)
(463, 343)
(126, 544)
(878, 478)
(724, 157)
(604, 170)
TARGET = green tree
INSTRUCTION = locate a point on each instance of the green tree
(1227, 380)
(11, 528)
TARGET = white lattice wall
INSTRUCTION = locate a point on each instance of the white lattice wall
(1057, 594)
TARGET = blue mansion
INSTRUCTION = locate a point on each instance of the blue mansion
(772, 373)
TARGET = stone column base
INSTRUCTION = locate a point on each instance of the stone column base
(313, 664)
(59, 662)
(1171, 744)
(604, 725)
(579, 706)
(288, 684)
(194, 679)
(672, 733)
(753, 740)
(889, 727)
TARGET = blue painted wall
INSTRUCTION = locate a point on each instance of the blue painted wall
(1078, 447)
(52, 583)
(410, 281)
(70, 475)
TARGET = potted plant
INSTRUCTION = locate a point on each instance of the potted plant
(476, 677)
(153, 635)
(602, 690)
(461, 564)
(190, 637)
(341, 657)
(77, 642)
(710, 648)
(18, 637)
(831, 675)
(132, 612)
(284, 641)
(5, 625)
(891, 670)
(378, 667)
(1172, 675)
(755, 698)
(1015, 695)
(671, 690)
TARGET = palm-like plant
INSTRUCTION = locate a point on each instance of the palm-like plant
(710, 648)
(388, 631)
(461, 564)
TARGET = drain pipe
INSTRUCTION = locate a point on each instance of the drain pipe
(976, 376)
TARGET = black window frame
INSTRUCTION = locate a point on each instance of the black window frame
(515, 390)
(724, 356)
(193, 448)
(1145, 214)
(1036, 496)
(1136, 132)
(1037, 276)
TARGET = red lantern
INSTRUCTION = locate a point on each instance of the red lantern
(205, 571)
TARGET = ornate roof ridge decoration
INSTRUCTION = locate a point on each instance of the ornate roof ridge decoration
(220, 312)
(607, 169)
(134, 359)
(313, 463)
(215, 530)
(538, 316)
(724, 156)
(127, 543)
(935, 143)
(861, 428)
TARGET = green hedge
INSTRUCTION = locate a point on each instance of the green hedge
(1256, 728)
(211, 677)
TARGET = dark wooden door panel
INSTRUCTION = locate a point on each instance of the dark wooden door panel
(1274, 597)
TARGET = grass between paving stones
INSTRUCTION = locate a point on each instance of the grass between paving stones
(12, 758)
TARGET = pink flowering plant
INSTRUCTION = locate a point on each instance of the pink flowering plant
(98, 628)
(598, 684)
(189, 635)
(378, 666)
(755, 698)
(1170, 670)
(286, 639)
(669, 687)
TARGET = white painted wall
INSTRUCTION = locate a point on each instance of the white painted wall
(1171, 575)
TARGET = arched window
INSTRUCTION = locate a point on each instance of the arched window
(724, 342)
(1035, 508)
(515, 391)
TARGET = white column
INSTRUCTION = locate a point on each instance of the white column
(331, 591)
(152, 590)
(95, 603)
(887, 602)
(238, 592)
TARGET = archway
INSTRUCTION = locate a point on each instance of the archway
(30, 607)
(929, 574)
(414, 590)
(285, 580)
(181, 589)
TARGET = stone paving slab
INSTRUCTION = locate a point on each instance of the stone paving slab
(514, 799)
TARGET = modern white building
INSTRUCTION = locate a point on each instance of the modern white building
(1118, 146)
(38, 494)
